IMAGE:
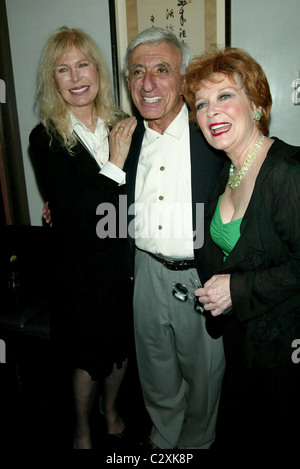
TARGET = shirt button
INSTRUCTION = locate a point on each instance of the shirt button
(162, 168)
(161, 197)
(159, 227)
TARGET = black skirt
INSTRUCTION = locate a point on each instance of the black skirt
(92, 321)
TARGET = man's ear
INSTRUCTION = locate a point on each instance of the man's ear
(128, 83)
(183, 83)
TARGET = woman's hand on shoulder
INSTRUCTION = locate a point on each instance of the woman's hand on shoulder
(120, 140)
(47, 214)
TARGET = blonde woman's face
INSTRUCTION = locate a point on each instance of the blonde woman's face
(77, 80)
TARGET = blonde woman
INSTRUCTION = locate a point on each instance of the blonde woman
(71, 151)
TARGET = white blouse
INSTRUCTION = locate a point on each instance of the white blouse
(97, 145)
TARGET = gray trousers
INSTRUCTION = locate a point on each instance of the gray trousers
(180, 366)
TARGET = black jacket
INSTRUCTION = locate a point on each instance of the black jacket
(265, 263)
(74, 188)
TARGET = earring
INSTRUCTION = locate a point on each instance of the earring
(257, 115)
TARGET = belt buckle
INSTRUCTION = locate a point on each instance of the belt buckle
(167, 264)
(180, 265)
(171, 265)
(174, 265)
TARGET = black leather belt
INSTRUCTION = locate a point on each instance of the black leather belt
(183, 264)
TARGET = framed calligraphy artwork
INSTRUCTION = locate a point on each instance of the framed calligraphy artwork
(199, 23)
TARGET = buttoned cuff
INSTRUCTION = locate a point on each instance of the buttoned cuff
(113, 172)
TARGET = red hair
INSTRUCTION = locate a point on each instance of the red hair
(233, 63)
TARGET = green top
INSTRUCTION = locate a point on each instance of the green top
(225, 235)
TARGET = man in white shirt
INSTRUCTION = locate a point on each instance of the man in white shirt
(170, 172)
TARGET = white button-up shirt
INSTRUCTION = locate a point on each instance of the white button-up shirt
(98, 146)
(163, 201)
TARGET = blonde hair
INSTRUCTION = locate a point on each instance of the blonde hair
(53, 108)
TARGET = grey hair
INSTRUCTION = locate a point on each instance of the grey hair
(156, 35)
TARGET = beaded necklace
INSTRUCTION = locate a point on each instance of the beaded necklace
(235, 181)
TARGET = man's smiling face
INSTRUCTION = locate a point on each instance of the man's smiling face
(155, 83)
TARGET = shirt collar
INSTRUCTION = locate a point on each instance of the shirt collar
(177, 126)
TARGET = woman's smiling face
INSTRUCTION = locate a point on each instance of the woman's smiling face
(225, 113)
(77, 79)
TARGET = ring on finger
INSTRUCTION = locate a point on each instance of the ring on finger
(121, 127)
(129, 134)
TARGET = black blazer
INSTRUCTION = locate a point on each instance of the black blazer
(265, 263)
(74, 188)
(205, 168)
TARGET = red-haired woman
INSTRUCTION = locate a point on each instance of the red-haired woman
(253, 244)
